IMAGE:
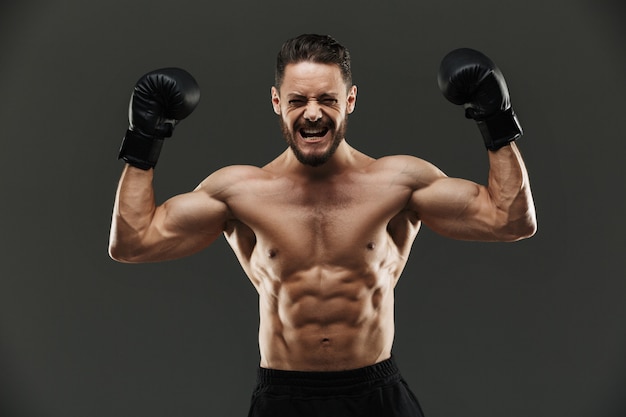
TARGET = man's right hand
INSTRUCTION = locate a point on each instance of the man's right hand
(160, 99)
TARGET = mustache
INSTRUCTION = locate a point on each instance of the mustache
(321, 123)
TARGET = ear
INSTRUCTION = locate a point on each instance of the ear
(276, 100)
(351, 99)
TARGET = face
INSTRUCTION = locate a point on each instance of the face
(313, 104)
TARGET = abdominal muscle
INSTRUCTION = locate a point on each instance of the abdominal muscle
(325, 258)
(325, 319)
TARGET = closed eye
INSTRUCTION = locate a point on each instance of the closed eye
(324, 100)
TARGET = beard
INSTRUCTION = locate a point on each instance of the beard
(314, 159)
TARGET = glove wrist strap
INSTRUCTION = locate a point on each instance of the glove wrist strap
(500, 129)
(140, 151)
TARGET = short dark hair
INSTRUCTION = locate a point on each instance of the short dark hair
(321, 49)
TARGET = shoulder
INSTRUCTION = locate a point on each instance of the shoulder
(226, 179)
(413, 171)
(235, 173)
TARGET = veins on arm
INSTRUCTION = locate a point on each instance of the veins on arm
(462, 209)
(181, 226)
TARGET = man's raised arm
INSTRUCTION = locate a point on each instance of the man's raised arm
(141, 231)
(503, 210)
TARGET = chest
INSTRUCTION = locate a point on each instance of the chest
(319, 217)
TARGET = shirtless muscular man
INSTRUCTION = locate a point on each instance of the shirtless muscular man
(323, 231)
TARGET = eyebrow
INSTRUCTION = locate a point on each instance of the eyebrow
(321, 96)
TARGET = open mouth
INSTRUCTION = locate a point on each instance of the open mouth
(308, 133)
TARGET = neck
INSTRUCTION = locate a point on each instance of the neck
(344, 158)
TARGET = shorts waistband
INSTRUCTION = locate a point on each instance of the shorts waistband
(384, 371)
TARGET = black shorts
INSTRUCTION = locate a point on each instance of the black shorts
(377, 391)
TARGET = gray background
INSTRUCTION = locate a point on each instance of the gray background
(483, 330)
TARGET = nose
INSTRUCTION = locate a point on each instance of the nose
(313, 111)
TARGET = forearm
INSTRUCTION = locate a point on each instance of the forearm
(132, 213)
(509, 190)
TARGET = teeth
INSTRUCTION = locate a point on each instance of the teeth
(319, 132)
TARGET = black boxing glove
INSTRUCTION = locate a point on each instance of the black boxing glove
(470, 78)
(160, 99)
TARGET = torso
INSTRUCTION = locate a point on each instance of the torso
(324, 256)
